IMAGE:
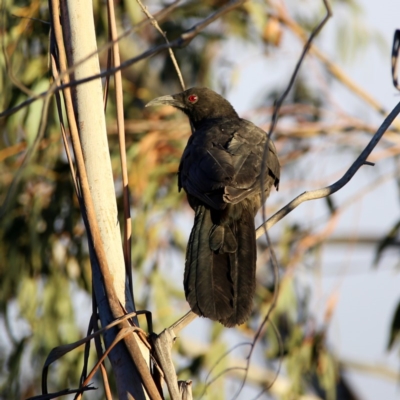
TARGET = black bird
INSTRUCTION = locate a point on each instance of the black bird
(220, 171)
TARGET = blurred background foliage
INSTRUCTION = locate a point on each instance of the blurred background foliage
(45, 276)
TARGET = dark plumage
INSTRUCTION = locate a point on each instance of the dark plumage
(220, 171)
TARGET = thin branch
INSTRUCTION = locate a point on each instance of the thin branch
(225, 371)
(327, 191)
(127, 226)
(185, 390)
(161, 14)
(64, 392)
(274, 120)
(258, 375)
(59, 63)
(183, 322)
(333, 68)
(180, 42)
(60, 351)
(8, 66)
(63, 131)
(10, 72)
(171, 53)
(162, 345)
(122, 334)
(278, 336)
(306, 49)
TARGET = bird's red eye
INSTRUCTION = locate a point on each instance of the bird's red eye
(193, 98)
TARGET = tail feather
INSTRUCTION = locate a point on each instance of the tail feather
(207, 284)
(243, 270)
(220, 266)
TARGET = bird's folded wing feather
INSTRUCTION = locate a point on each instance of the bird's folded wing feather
(222, 163)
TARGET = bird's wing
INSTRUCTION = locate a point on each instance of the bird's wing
(254, 157)
(222, 163)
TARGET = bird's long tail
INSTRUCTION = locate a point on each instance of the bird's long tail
(220, 264)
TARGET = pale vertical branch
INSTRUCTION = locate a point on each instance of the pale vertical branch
(95, 177)
(93, 136)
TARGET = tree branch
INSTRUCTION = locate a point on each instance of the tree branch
(327, 191)
(180, 42)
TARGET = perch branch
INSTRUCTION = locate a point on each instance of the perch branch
(162, 347)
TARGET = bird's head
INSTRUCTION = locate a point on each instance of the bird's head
(199, 104)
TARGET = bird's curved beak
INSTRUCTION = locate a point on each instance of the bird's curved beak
(169, 100)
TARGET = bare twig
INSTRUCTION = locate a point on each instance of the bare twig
(306, 48)
(333, 68)
(160, 15)
(183, 322)
(59, 61)
(225, 371)
(127, 227)
(122, 334)
(60, 351)
(10, 72)
(171, 53)
(257, 375)
(180, 42)
(56, 395)
(327, 191)
(274, 120)
(275, 378)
